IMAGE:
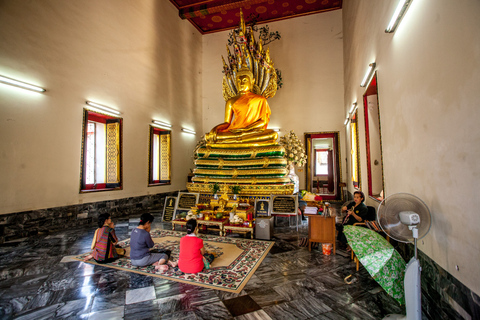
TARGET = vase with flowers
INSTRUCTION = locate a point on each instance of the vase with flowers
(236, 191)
(295, 155)
(215, 188)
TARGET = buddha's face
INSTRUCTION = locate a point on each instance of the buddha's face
(244, 84)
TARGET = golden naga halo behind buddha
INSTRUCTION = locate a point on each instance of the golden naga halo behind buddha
(241, 149)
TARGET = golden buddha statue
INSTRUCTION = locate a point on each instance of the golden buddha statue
(242, 150)
(246, 117)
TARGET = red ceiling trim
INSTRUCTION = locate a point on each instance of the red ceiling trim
(219, 6)
(263, 21)
(209, 16)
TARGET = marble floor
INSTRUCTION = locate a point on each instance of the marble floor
(40, 281)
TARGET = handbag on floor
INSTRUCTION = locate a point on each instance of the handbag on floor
(120, 251)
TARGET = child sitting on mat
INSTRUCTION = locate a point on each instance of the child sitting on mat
(193, 256)
(104, 240)
(140, 244)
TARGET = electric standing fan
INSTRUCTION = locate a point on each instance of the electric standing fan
(406, 218)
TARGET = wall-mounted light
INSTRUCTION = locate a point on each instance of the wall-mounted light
(368, 74)
(102, 107)
(346, 121)
(353, 108)
(399, 13)
(163, 125)
(20, 84)
(188, 131)
(276, 129)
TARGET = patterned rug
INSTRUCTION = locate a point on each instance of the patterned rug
(235, 260)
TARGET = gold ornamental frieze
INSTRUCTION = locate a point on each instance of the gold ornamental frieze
(251, 190)
(240, 145)
(254, 180)
(235, 172)
(220, 163)
(275, 150)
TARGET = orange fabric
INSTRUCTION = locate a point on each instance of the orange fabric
(248, 109)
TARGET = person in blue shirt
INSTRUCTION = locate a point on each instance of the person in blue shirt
(140, 244)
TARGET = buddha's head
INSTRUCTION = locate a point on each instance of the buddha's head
(244, 80)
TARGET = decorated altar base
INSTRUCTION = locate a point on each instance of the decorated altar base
(247, 189)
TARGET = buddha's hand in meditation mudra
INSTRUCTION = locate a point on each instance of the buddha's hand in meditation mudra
(246, 116)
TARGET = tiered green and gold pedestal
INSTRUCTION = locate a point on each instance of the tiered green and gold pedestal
(258, 170)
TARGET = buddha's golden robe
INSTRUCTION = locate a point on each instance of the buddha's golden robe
(247, 110)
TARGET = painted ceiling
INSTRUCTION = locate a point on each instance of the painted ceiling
(210, 16)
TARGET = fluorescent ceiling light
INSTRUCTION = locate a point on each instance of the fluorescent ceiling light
(353, 108)
(102, 107)
(162, 124)
(368, 74)
(188, 131)
(20, 84)
(398, 15)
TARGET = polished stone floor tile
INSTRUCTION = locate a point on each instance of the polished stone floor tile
(212, 311)
(142, 310)
(140, 295)
(256, 315)
(199, 295)
(108, 314)
(74, 308)
(180, 315)
(172, 304)
(266, 297)
(104, 302)
(40, 313)
(241, 305)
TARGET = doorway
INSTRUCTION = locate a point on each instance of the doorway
(323, 165)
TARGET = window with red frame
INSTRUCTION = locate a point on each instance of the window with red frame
(159, 172)
(101, 152)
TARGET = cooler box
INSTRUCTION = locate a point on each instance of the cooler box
(264, 228)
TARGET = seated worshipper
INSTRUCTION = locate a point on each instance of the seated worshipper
(356, 212)
(140, 244)
(104, 240)
(193, 256)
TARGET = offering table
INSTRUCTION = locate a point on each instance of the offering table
(212, 222)
(180, 222)
(240, 228)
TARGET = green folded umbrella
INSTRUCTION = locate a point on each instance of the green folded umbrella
(380, 259)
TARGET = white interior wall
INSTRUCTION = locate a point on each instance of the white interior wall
(310, 57)
(137, 57)
(428, 80)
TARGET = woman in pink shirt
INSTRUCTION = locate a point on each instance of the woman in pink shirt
(193, 256)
